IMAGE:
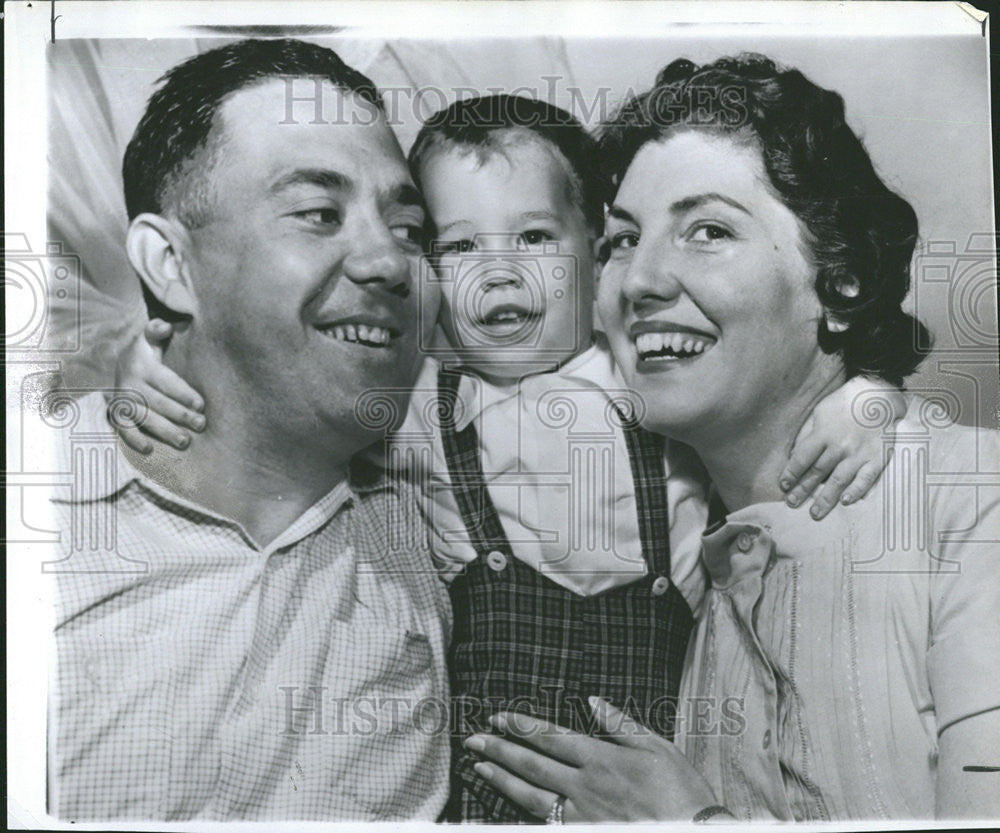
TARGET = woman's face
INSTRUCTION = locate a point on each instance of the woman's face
(707, 297)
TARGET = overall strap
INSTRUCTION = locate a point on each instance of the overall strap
(645, 454)
(465, 468)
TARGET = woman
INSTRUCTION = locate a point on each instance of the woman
(840, 670)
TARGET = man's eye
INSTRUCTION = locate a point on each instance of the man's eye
(320, 216)
(709, 233)
(533, 237)
(411, 233)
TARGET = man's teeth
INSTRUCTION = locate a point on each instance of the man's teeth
(373, 336)
(670, 345)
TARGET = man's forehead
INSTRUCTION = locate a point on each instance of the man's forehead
(277, 117)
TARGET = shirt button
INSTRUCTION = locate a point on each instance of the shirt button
(767, 739)
(660, 586)
(744, 542)
(496, 560)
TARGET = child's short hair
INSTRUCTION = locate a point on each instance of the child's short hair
(484, 123)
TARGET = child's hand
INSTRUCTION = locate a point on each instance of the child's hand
(172, 403)
(835, 450)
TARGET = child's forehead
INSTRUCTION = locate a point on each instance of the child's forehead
(514, 147)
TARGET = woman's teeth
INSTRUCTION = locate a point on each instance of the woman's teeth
(371, 336)
(670, 346)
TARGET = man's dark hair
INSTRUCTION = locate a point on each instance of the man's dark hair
(168, 161)
(484, 123)
(861, 235)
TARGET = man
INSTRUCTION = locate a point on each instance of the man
(254, 647)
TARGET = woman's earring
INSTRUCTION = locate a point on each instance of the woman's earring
(835, 326)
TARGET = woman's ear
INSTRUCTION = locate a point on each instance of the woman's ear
(156, 247)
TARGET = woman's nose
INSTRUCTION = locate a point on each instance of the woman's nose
(651, 277)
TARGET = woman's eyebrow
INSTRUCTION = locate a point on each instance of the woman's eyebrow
(696, 201)
(620, 213)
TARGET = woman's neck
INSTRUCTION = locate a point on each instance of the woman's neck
(745, 463)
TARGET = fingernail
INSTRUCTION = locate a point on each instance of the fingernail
(846, 499)
(147, 449)
(198, 405)
(181, 441)
(475, 743)
(483, 769)
(815, 511)
(498, 721)
(197, 422)
(785, 485)
(792, 500)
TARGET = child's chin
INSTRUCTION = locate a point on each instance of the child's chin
(495, 369)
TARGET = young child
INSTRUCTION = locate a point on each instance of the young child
(569, 535)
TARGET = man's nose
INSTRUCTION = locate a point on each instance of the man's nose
(376, 258)
(651, 277)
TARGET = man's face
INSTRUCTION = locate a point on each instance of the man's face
(305, 273)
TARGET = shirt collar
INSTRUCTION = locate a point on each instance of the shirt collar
(594, 366)
(90, 453)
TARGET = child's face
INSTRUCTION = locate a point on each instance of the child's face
(516, 259)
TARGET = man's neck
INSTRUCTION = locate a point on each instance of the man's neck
(745, 465)
(246, 473)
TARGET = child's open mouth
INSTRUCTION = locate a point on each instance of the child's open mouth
(508, 318)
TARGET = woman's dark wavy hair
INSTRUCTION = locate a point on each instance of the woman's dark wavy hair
(861, 234)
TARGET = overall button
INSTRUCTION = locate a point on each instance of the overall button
(744, 542)
(660, 586)
(767, 739)
(497, 560)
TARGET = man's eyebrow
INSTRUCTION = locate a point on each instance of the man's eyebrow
(320, 177)
(405, 194)
(696, 201)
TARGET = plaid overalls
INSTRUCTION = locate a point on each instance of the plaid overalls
(525, 643)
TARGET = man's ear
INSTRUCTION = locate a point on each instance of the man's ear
(157, 247)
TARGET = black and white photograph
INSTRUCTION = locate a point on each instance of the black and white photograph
(501, 413)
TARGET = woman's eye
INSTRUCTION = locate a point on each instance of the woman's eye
(533, 237)
(623, 240)
(709, 233)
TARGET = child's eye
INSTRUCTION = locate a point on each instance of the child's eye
(533, 237)
(454, 246)
(709, 233)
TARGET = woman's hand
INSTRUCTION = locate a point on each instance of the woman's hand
(836, 450)
(636, 776)
(171, 403)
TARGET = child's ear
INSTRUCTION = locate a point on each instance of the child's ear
(157, 246)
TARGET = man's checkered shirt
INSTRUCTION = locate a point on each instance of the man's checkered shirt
(201, 676)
